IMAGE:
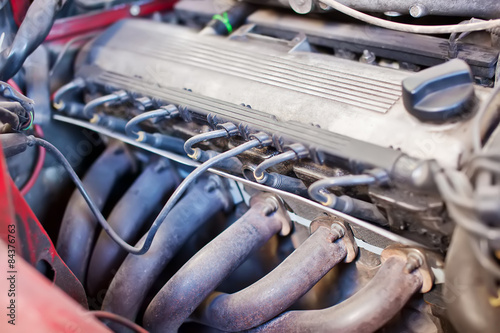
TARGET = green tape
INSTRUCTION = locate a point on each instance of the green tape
(31, 122)
(225, 20)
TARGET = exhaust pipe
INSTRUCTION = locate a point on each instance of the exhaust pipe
(129, 218)
(138, 273)
(79, 224)
(180, 296)
(329, 244)
(370, 308)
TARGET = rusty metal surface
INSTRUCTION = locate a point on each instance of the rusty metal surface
(366, 311)
(279, 289)
(338, 225)
(138, 273)
(79, 224)
(180, 296)
(130, 215)
(416, 259)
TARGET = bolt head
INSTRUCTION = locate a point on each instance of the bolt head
(418, 10)
(301, 6)
(135, 10)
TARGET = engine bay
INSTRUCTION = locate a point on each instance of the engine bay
(266, 166)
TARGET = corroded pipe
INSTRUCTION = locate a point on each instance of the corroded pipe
(138, 273)
(129, 217)
(79, 224)
(180, 296)
(278, 290)
(366, 311)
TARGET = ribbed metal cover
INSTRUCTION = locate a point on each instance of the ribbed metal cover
(283, 80)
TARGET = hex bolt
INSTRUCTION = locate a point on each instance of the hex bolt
(368, 57)
(272, 206)
(414, 261)
(418, 10)
(336, 232)
(301, 6)
(135, 10)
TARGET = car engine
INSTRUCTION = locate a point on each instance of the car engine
(261, 166)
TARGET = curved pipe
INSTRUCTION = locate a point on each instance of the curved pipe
(79, 224)
(224, 130)
(188, 146)
(90, 107)
(466, 293)
(364, 312)
(138, 273)
(279, 289)
(258, 140)
(352, 206)
(74, 86)
(260, 173)
(129, 217)
(31, 33)
(180, 296)
(318, 191)
(164, 112)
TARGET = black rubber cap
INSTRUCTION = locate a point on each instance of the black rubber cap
(441, 93)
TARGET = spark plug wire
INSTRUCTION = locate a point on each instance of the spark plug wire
(258, 139)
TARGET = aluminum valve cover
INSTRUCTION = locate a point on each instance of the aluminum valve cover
(282, 78)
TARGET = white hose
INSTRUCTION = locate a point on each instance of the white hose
(416, 29)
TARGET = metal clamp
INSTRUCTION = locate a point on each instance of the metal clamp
(143, 103)
(172, 111)
(299, 149)
(264, 139)
(230, 128)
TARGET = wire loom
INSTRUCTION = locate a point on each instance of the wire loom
(461, 192)
(17, 111)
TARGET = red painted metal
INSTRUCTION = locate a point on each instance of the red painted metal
(31, 241)
(19, 9)
(31, 302)
(75, 25)
(38, 305)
